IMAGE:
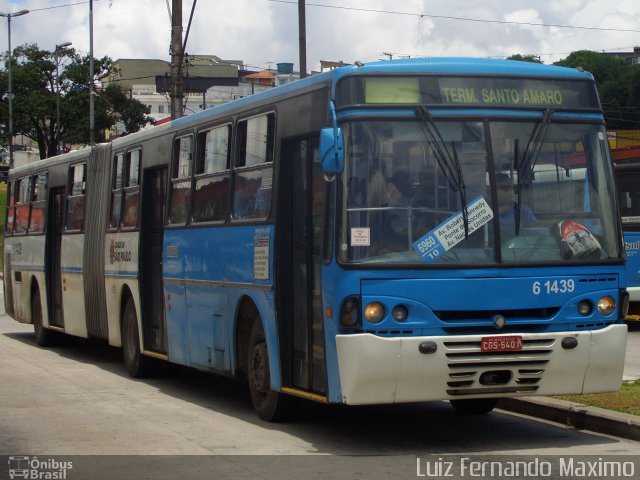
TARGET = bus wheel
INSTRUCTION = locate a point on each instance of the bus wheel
(44, 336)
(269, 405)
(476, 406)
(138, 365)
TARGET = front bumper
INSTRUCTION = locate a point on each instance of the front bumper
(376, 370)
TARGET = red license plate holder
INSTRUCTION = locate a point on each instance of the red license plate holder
(501, 343)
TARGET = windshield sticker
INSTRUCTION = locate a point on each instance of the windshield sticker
(361, 237)
(451, 232)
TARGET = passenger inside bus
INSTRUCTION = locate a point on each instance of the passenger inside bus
(400, 189)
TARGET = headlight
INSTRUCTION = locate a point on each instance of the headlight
(374, 312)
(606, 305)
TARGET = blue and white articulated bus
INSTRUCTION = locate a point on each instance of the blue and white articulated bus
(628, 183)
(402, 231)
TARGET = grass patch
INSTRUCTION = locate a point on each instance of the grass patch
(626, 400)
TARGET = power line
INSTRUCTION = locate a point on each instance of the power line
(465, 19)
(62, 6)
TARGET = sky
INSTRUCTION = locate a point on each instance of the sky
(262, 33)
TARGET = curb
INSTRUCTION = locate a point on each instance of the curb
(576, 415)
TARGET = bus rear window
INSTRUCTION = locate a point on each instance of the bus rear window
(10, 208)
(254, 167)
(132, 189)
(22, 205)
(75, 199)
(180, 199)
(213, 178)
(38, 203)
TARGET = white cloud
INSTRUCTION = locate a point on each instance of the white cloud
(262, 32)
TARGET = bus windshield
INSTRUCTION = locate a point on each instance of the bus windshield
(476, 191)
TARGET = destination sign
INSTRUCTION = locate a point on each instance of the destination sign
(467, 91)
(507, 92)
(503, 96)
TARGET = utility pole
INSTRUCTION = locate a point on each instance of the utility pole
(177, 54)
(92, 92)
(302, 41)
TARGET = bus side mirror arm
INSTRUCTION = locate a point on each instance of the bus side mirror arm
(332, 147)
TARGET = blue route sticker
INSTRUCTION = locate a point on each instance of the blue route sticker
(451, 232)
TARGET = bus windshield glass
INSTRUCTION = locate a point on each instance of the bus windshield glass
(442, 192)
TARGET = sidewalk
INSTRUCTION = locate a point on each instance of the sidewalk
(575, 415)
(584, 417)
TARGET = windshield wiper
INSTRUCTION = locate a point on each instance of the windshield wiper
(529, 160)
(449, 163)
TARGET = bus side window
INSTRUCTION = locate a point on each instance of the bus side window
(75, 198)
(11, 208)
(180, 196)
(132, 189)
(116, 191)
(254, 167)
(22, 205)
(38, 203)
(212, 175)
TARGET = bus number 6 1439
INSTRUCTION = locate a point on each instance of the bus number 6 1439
(554, 287)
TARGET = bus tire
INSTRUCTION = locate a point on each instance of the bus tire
(44, 336)
(474, 406)
(270, 405)
(138, 365)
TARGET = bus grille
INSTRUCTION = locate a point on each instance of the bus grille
(477, 322)
(472, 372)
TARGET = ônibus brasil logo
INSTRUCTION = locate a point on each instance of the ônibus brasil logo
(38, 469)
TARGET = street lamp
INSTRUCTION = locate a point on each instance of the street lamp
(58, 47)
(92, 124)
(9, 16)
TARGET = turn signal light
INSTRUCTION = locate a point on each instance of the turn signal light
(349, 316)
(400, 313)
(585, 307)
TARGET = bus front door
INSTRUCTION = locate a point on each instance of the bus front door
(300, 295)
(151, 238)
(53, 248)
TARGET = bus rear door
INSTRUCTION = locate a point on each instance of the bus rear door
(151, 238)
(53, 249)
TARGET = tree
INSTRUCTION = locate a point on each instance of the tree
(35, 90)
(525, 58)
(618, 84)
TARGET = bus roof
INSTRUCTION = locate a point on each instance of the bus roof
(427, 66)
(465, 66)
(452, 66)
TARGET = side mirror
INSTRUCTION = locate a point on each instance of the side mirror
(331, 151)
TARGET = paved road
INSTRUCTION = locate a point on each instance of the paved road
(78, 400)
